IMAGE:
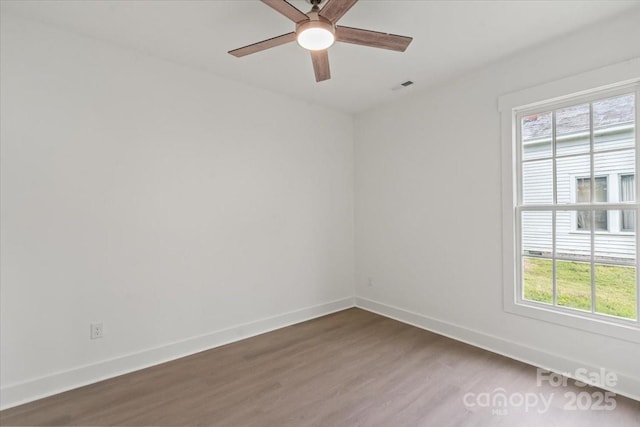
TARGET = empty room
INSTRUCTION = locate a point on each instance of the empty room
(319, 213)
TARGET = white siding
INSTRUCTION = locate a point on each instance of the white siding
(537, 189)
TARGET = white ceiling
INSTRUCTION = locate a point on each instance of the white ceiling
(451, 38)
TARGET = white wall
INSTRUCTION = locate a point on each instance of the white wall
(163, 201)
(428, 206)
(171, 205)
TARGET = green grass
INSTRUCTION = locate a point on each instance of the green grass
(615, 286)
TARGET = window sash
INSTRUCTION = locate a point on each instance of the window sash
(597, 201)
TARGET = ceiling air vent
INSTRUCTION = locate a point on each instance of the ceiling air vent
(402, 85)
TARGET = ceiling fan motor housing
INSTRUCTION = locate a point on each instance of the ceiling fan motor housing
(315, 21)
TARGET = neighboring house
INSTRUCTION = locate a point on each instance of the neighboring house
(614, 172)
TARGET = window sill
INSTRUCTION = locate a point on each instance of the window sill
(628, 330)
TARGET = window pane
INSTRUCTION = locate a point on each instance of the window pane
(614, 247)
(601, 220)
(627, 188)
(616, 290)
(536, 233)
(537, 184)
(573, 275)
(537, 279)
(583, 195)
(573, 280)
(628, 220)
(536, 136)
(573, 130)
(583, 220)
(568, 170)
(570, 244)
(620, 166)
(616, 162)
(583, 190)
(613, 122)
(600, 193)
(615, 273)
(537, 247)
(627, 194)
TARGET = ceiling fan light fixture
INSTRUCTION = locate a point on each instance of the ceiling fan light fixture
(315, 35)
(316, 31)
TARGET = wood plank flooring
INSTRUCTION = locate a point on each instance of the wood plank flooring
(351, 368)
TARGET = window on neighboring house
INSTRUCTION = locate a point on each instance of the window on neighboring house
(583, 195)
(573, 160)
(627, 194)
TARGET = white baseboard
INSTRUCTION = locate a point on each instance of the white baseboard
(627, 385)
(17, 394)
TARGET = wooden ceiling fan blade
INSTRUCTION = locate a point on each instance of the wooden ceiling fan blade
(320, 59)
(372, 38)
(287, 9)
(264, 44)
(335, 9)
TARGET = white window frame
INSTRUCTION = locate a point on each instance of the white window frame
(618, 78)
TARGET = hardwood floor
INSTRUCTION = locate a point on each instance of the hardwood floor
(351, 368)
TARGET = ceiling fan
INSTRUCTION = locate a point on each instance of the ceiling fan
(316, 31)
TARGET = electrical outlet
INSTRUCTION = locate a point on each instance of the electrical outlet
(370, 282)
(96, 331)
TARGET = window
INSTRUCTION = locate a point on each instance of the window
(570, 203)
(583, 194)
(588, 272)
(627, 194)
